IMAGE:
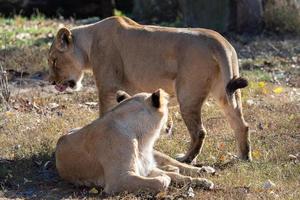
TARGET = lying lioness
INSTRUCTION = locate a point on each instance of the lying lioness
(187, 63)
(116, 150)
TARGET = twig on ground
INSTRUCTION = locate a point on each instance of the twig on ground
(4, 90)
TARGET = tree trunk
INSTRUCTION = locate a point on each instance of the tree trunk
(212, 14)
(67, 8)
(155, 11)
(106, 8)
(249, 16)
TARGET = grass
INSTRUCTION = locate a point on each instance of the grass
(39, 116)
(282, 16)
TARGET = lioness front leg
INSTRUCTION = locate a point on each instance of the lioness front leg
(190, 103)
(107, 100)
(182, 180)
(132, 182)
(191, 114)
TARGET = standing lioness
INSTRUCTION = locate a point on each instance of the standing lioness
(187, 63)
(116, 150)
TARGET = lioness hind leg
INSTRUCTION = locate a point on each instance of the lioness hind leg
(132, 183)
(233, 112)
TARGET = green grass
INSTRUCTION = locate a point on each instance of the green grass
(17, 32)
(257, 75)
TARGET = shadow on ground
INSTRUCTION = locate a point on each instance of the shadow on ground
(35, 178)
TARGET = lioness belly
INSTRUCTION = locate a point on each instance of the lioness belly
(148, 85)
(149, 78)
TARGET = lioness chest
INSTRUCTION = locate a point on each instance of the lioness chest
(145, 163)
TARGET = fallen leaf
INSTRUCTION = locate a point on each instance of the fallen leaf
(256, 154)
(161, 195)
(93, 191)
(221, 146)
(222, 158)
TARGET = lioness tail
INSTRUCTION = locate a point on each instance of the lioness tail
(236, 83)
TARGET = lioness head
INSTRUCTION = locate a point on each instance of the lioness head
(157, 101)
(144, 114)
(144, 108)
(66, 62)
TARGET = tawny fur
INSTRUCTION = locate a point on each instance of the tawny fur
(116, 150)
(187, 63)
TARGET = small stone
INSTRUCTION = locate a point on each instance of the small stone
(250, 102)
(190, 192)
(260, 126)
(268, 185)
(53, 106)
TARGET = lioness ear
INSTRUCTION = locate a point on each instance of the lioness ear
(63, 39)
(159, 98)
(121, 95)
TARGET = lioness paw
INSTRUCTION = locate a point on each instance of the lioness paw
(164, 181)
(202, 183)
(206, 170)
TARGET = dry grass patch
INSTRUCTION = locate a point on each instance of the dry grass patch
(28, 139)
(39, 116)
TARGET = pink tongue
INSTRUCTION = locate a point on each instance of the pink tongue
(60, 87)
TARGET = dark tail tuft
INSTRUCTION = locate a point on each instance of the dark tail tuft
(236, 83)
